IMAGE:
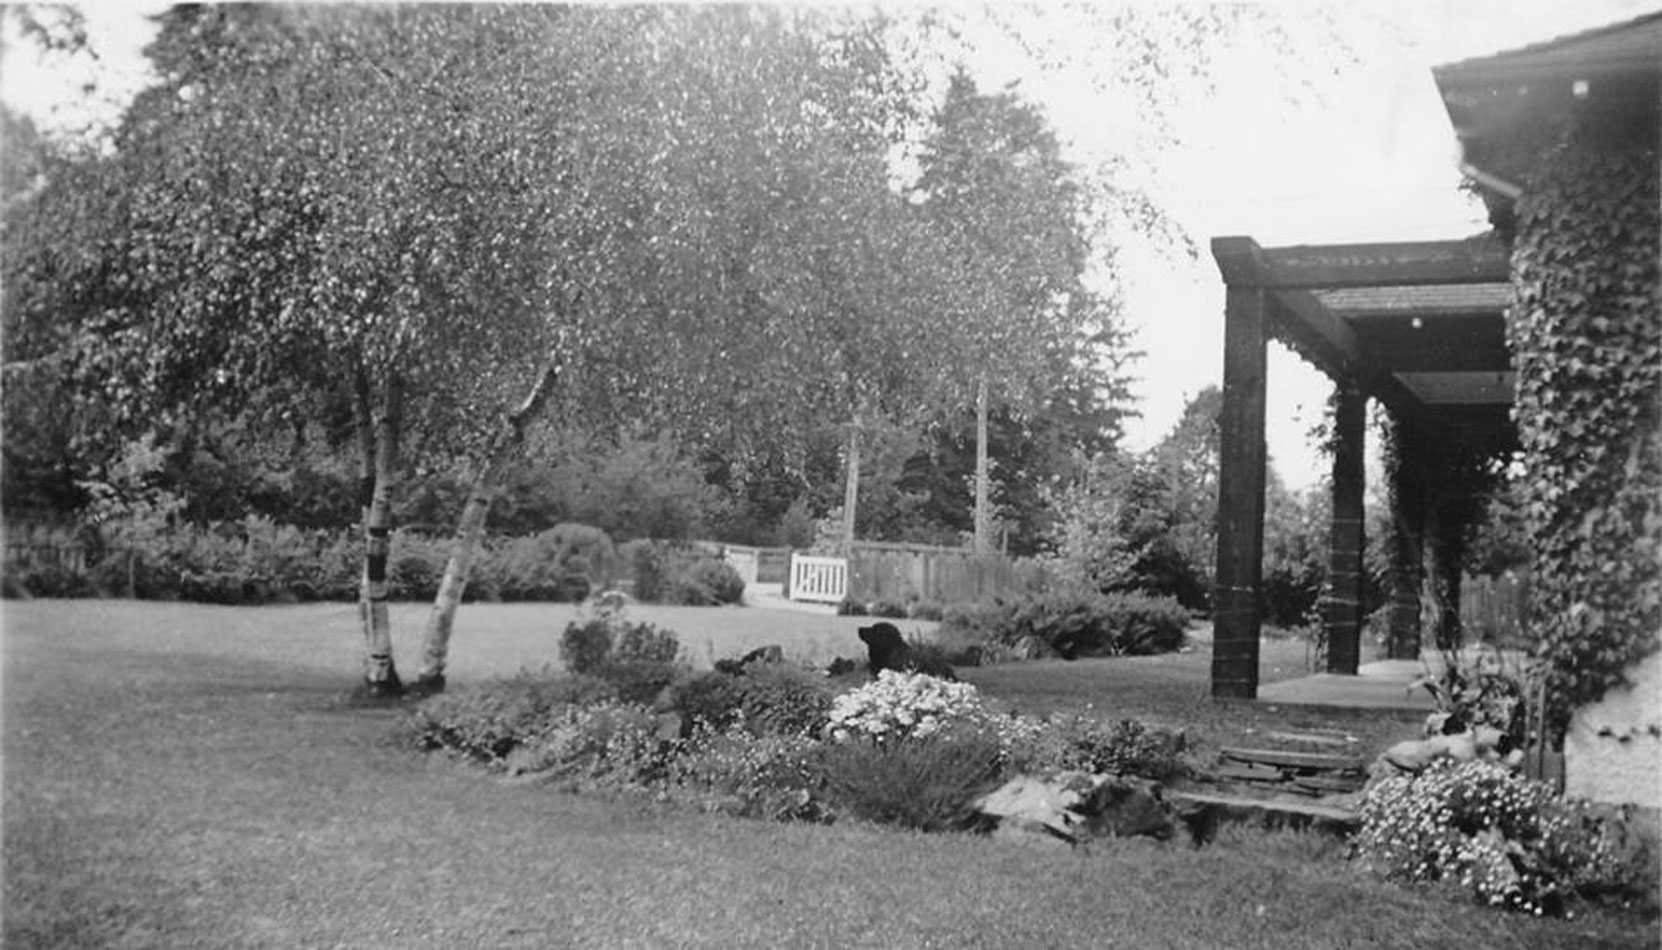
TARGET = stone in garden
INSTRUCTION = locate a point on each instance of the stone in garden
(1488, 739)
(1462, 747)
(672, 727)
(1413, 755)
(1126, 807)
(772, 653)
(1024, 799)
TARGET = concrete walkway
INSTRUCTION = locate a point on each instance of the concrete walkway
(1385, 685)
(772, 596)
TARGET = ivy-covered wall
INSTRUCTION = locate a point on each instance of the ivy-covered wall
(1586, 336)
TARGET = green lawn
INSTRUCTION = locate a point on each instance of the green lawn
(181, 776)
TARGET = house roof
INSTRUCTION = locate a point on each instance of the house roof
(1634, 46)
(1501, 106)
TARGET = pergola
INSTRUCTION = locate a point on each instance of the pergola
(1420, 327)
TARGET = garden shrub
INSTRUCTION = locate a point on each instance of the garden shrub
(926, 782)
(1076, 742)
(711, 699)
(767, 698)
(1507, 840)
(638, 681)
(849, 607)
(490, 720)
(783, 699)
(1074, 622)
(929, 658)
(897, 705)
(586, 644)
(705, 582)
(768, 775)
(650, 569)
(889, 609)
(613, 742)
(669, 573)
(925, 610)
(643, 641)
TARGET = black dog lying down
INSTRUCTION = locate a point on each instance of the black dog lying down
(890, 651)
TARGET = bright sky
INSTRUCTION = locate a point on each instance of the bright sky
(1370, 156)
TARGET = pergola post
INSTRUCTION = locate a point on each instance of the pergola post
(1408, 506)
(1240, 496)
(1342, 613)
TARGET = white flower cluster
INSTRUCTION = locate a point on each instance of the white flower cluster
(1506, 838)
(898, 705)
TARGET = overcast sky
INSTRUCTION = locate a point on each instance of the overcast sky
(1368, 155)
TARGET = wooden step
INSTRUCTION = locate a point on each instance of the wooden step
(1328, 784)
(1283, 759)
(1340, 740)
(1230, 772)
(1269, 813)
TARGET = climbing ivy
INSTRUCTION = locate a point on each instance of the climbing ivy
(1586, 333)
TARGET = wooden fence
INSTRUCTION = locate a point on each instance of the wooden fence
(758, 565)
(902, 572)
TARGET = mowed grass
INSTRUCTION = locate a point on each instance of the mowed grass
(181, 776)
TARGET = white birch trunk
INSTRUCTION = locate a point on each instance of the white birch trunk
(470, 529)
(380, 673)
(851, 486)
(981, 474)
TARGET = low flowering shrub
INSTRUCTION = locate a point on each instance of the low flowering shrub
(1507, 840)
(614, 743)
(489, 721)
(925, 781)
(1071, 623)
(706, 582)
(1122, 747)
(768, 698)
(643, 641)
(898, 705)
(748, 773)
(639, 681)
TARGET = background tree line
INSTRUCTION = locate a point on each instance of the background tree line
(671, 271)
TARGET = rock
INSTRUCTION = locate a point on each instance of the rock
(1413, 755)
(1488, 739)
(1034, 801)
(1126, 807)
(1462, 747)
(772, 653)
(672, 727)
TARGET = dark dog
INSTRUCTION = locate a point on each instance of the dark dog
(889, 650)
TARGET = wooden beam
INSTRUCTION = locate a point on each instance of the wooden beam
(1240, 496)
(1383, 265)
(1240, 261)
(1342, 609)
(1305, 324)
